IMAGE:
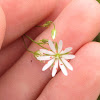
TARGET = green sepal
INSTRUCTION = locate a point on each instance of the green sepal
(52, 65)
(44, 41)
(66, 53)
(47, 24)
(37, 53)
(56, 46)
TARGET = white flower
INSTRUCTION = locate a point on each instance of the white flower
(57, 57)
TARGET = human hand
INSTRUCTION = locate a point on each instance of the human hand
(77, 25)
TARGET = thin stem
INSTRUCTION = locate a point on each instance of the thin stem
(26, 46)
(53, 24)
(30, 38)
(35, 42)
(42, 46)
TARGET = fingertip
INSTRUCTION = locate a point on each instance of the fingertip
(22, 15)
(2, 26)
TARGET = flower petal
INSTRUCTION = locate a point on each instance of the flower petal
(66, 50)
(68, 56)
(44, 57)
(52, 46)
(60, 46)
(62, 67)
(67, 64)
(46, 51)
(46, 66)
(54, 71)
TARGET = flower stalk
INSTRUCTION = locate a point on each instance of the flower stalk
(55, 56)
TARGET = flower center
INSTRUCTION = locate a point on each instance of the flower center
(57, 55)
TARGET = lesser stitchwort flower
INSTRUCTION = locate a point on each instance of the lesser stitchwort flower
(56, 56)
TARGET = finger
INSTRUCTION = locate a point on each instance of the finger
(81, 84)
(2, 26)
(17, 48)
(23, 15)
(30, 69)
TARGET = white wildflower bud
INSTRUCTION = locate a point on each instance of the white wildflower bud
(38, 53)
(44, 41)
(47, 24)
(53, 34)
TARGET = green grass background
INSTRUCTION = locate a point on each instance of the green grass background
(98, 40)
(98, 1)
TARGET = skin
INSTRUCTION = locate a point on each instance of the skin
(77, 23)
